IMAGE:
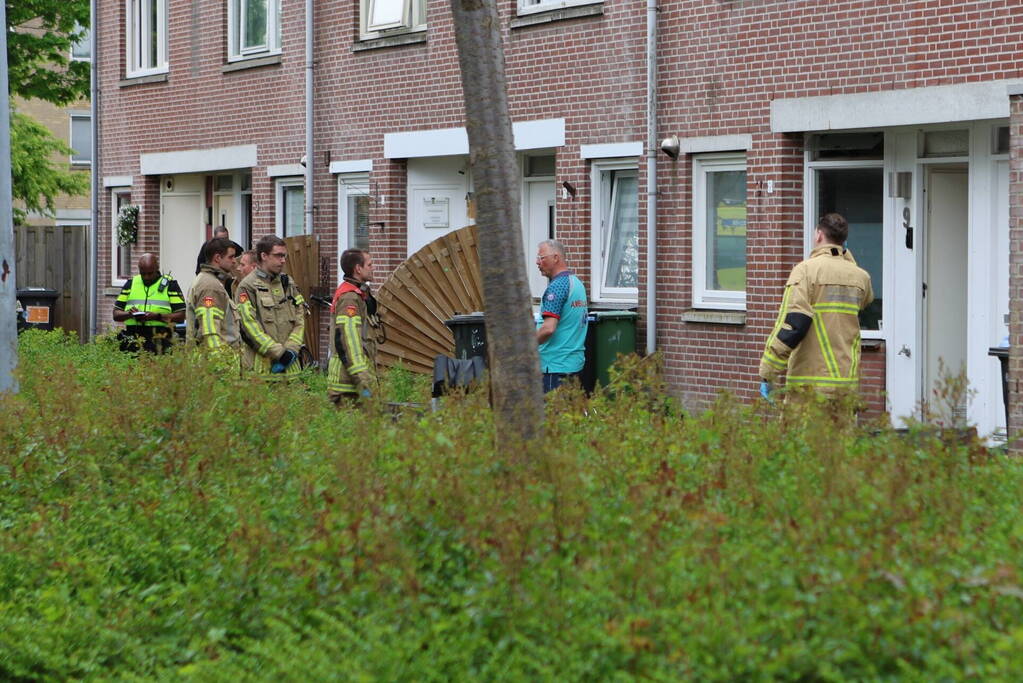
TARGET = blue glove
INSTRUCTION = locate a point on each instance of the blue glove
(365, 393)
(765, 389)
(282, 363)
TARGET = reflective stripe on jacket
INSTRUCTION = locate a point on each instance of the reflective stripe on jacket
(816, 338)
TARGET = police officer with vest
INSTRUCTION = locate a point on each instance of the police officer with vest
(355, 332)
(816, 339)
(150, 304)
(272, 313)
(212, 319)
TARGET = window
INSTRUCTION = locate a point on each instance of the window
(291, 208)
(81, 50)
(353, 203)
(719, 231)
(530, 6)
(146, 37)
(616, 230)
(120, 254)
(380, 18)
(81, 139)
(254, 28)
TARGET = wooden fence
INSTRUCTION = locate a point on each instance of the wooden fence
(56, 257)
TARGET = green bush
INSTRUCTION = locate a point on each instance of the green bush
(163, 518)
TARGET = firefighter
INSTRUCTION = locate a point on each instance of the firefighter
(272, 313)
(212, 319)
(355, 332)
(149, 305)
(816, 339)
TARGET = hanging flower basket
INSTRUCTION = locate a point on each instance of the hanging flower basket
(128, 224)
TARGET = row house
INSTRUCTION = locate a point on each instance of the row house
(771, 112)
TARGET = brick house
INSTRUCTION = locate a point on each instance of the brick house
(894, 113)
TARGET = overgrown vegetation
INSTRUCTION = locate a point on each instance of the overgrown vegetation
(161, 518)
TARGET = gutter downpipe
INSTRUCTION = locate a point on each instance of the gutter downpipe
(94, 171)
(651, 176)
(309, 115)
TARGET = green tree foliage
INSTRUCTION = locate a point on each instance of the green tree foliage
(39, 40)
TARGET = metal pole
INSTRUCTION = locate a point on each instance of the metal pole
(309, 116)
(651, 176)
(8, 288)
(95, 171)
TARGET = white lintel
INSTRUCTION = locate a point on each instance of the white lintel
(117, 181)
(611, 150)
(715, 143)
(282, 170)
(355, 166)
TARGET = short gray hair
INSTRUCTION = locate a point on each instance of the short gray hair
(555, 246)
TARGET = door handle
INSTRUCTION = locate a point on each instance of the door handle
(904, 351)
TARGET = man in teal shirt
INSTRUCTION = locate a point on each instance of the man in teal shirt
(561, 329)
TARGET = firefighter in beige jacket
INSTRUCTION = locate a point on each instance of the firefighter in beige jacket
(816, 339)
(211, 316)
(272, 313)
(355, 332)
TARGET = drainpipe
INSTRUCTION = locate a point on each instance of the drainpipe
(309, 115)
(94, 171)
(651, 176)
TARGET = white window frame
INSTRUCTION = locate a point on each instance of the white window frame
(348, 185)
(412, 19)
(811, 214)
(600, 233)
(281, 185)
(534, 6)
(703, 295)
(236, 22)
(83, 163)
(137, 29)
(115, 190)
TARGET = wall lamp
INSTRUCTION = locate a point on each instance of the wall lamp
(670, 146)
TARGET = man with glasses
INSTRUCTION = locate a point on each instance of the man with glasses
(272, 313)
(561, 329)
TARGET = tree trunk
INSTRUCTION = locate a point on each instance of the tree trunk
(515, 381)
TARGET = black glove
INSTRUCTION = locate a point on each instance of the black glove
(282, 363)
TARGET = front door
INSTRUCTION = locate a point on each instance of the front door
(945, 288)
(537, 227)
(182, 226)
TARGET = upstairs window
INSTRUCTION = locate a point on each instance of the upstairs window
(254, 28)
(81, 139)
(380, 18)
(81, 49)
(146, 37)
(531, 6)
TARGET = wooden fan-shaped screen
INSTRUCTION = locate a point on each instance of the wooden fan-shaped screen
(440, 280)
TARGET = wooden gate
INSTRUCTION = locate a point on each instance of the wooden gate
(56, 257)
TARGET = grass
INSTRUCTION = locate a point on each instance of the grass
(162, 518)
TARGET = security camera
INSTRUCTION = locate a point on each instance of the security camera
(670, 146)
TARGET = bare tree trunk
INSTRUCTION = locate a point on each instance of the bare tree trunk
(511, 337)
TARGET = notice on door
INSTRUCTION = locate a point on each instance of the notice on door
(436, 212)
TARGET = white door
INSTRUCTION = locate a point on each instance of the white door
(538, 225)
(945, 275)
(182, 226)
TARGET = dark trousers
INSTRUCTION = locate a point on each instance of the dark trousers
(150, 339)
(553, 380)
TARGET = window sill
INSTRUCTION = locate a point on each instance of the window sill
(872, 344)
(142, 80)
(715, 317)
(251, 63)
(390, 41)
(557, 14)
